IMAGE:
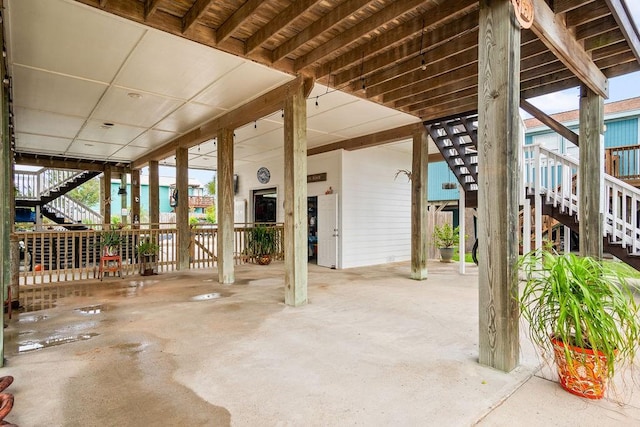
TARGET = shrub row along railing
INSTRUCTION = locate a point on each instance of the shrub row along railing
(61, 255)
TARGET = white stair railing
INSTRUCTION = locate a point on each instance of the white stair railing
(553, 175)
(34, 185)
(75, 211)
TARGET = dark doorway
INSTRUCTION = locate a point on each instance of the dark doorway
(265, 205)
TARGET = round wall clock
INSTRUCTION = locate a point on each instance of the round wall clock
(264, 175)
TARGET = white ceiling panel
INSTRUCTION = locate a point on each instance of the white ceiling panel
(172, 66)
(315, 138)
(206, 148)
(92, 149)
(188, 116)
(389, 122)
(40, 143)
(264, 155)
(118, 134)
(128, 152)
(241, 85)
(39, 90)
(347, 116)
(69, 38)
(121, 105)
(257, 129)
(326, 100)
(153, 138)
(46, 123)
(203, 162)
(266, 141)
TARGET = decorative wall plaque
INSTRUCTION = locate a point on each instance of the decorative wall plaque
(524, 12)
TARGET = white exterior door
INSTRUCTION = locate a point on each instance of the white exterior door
(328, 230)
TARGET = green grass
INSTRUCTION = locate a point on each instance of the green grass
(467, 257)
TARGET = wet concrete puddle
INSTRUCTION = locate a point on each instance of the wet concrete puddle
(32, 318)
(27, 346)
(93, 309)
(206, 297)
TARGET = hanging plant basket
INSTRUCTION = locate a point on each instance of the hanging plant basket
(586, 376)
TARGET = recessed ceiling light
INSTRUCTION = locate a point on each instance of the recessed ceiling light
(106, 125)
(134, 95)
(88, 145)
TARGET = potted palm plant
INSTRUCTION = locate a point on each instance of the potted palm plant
(446, 238)
(261, 244)
(147, 250)
(110, 241)
(583, 312)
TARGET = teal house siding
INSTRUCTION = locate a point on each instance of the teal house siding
(116, 206)
(621, 133)
(438, 174)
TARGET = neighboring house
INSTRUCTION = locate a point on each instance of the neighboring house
(198, 201)
(621, 130)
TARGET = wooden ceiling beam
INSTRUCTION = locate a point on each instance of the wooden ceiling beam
(612, 50)
(194, 13)
(588, 13)
(549, 121)
(276, 25)
(623, 17)
(561, 6)
(601, 40)
(58, 162)
(425, 85)
(454, 93)
(470, 81)
(460, 33)
(563, 43)
(371, 140)
(432, 19)
(429, 70)
(388, 14)
(454, 55)
(595, 28)
(150, 7)
(455, 108)
(326, 23)
(103, 3)
(236, 20)
(262, 106)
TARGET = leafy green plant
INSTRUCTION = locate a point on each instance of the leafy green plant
(445, 236)
(582, 302)
(110, 238)
(261, 240)
(148, 247)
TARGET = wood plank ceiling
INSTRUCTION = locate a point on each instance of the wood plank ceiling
(416, 56)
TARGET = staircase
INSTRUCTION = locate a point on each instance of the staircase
(551, 178)
(47, 188)
(457, 141)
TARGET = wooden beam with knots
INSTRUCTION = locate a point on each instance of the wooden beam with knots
(194, 13)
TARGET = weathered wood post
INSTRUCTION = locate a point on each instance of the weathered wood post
(419, 169)
(106, 195)
(182, 210)
(591, 172)
(498, 122)
(226, 273)
(135, 199)
(295, 198)
(154, 193)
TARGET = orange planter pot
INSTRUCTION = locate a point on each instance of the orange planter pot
(587, 376)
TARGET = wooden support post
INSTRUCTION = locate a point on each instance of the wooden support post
(154, 193)
(295, 199)
(462, 220)
(498, 129)
(419, 169)
(135, 198)
(591, 172)
(6, 182)
(123, 199)
(106, 195)
(226, 272)
(182, 210)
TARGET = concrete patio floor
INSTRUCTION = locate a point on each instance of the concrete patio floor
(371, 348)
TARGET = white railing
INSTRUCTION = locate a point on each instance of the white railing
(34, 185)
(554, 176)
(74, 210)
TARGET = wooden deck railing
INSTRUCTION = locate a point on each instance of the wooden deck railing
(56, 255)
(624, 163)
